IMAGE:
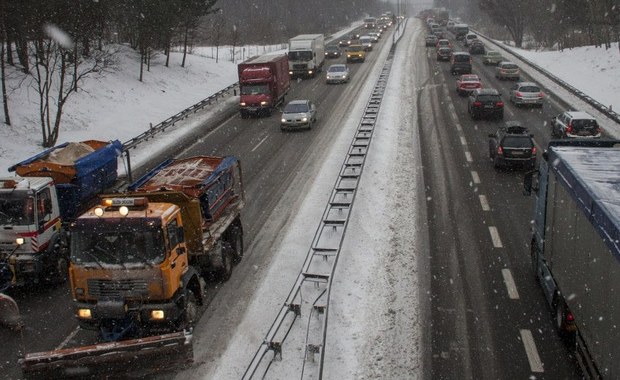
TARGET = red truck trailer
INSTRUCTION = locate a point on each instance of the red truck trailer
(263, 81)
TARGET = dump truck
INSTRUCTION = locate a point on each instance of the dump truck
(263, 83)
(140, 261)
(574, 248)
(49, 191)
(306, 55)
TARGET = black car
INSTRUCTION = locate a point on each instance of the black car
(485, 102)
(476, 47)
(444, 53)
(345, 41)
(332, 51)
(512, 145)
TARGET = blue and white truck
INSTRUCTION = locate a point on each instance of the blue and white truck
(575, 248)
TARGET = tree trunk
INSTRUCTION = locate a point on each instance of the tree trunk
(5, 98)
(141, 64)
(185, 38)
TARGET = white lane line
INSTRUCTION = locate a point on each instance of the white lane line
(475, 177)
(463, 140)
(468, 156)
(458, 127)
(510, 284)
(67, 339)
(497, 242)
(257, 145)
(484, 203)
(531, 351)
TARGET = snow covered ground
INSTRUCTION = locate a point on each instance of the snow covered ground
(374, 304)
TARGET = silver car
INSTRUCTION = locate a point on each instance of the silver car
(507, 70)
(338, 73)
(298, 114)
(526, 93)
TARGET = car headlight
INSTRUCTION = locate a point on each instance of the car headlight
(283, 120)
(304, 119)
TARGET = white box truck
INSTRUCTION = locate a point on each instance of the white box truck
(306, 55)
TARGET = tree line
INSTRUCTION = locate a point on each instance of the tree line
(549, 23)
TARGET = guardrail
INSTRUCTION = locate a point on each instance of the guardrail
(169, 122)
(581, 95)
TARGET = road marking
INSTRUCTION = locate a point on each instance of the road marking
(497, 242)
(468, 156)
(531, 351)
(67, 339)
(475, 177)
(484, 203)
(458, 127)
(510, 284)
(463, 140)
(257, 145)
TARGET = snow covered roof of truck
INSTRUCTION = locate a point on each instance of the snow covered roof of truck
(592, 178)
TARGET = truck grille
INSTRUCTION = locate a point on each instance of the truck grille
(300, 66)
(117, 288)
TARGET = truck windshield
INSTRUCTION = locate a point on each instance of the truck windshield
(254, 89)
(123, 244)
(300, 56)
(16, 209)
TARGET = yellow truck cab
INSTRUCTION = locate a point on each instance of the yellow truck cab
(356, 53)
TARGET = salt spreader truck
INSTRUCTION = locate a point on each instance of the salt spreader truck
(139, 261)
(575, 251)
(51, 189)
(263, 83)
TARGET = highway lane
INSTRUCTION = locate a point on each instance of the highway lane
(489, 318)
(272, 162)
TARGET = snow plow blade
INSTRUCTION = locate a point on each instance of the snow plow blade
(9, 312)
(129, 358)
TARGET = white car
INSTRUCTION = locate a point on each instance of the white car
(298, 114)
(366, 42)
(469, 38)
(338, 73)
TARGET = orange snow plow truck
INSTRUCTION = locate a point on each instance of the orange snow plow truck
(139, 265)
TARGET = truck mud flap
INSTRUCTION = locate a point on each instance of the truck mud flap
(125, 359)
(9, 312)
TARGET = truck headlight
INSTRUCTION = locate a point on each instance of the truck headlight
(242, 104)
(290, 73)
(157, 315)
(85, 313)
(264, 103)
(309, 71)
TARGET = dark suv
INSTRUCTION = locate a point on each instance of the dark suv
(512, 145)
(460, 63)
(485, 102)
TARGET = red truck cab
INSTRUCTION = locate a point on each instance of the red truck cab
(263, 83)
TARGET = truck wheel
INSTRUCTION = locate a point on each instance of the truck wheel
(560, 311)
(190, 310)
(225, 271)
(234, 237)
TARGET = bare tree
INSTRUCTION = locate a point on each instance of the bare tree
(58, 71)
(3, 42)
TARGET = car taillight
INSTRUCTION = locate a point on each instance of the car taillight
(599, 130)
(477, 103)
(569, 128)
(542, 95)
(533, 150)
(500, 150)
(518, 94)
(499, 104)
(570, 317)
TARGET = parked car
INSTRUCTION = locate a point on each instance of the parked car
(469, 37)
(526, 93)
(298, 114)
(476, 47)
(444, 53)
(460, 63)
(511, 146)
(574, 124)
(431, 40)
(485, 102)
(492, 57)
(443, 43)
(467, 83)
(332, 51)
(356, 53)
(338, 73)
(507, 70)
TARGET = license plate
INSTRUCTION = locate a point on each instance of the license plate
(488, 106)
(518, 153)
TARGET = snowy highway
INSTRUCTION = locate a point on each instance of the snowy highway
(434, 280)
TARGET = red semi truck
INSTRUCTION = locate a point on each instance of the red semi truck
(263, 82)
